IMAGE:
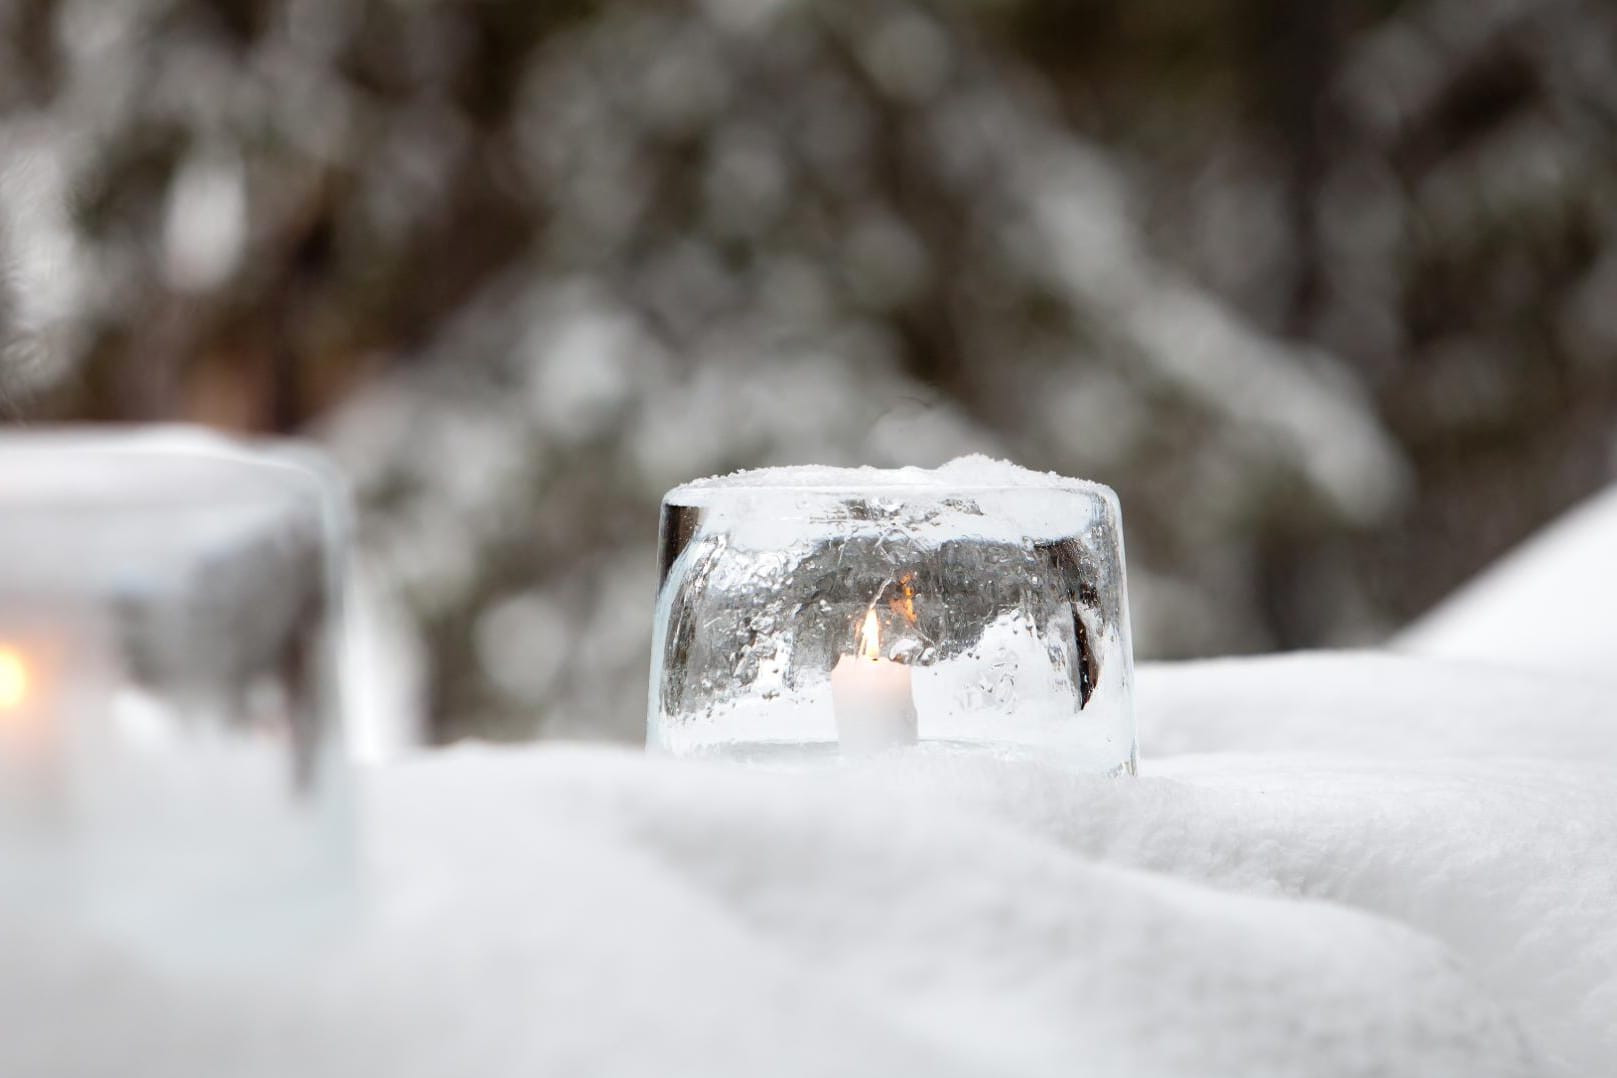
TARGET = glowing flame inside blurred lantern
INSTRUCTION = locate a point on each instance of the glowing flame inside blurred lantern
(14, 680)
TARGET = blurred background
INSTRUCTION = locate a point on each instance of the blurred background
(1327, 291)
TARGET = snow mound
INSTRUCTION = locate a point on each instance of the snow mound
(1547, 605)
(1406, 869)
(1506, 864)
(1370, 705)
(556, 911)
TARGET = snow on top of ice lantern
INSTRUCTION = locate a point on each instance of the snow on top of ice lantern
(971, 473)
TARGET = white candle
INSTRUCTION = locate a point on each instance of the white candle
(872, 697)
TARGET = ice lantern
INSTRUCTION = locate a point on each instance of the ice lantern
(818, 611)
(169, 742)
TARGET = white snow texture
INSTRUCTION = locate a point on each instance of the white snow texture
(1394, 867)
(972, 472)
(1546, 606)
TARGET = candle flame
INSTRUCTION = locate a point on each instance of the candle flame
(870, 637)
(14, 680)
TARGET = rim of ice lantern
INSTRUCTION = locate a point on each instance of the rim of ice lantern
(975, 474)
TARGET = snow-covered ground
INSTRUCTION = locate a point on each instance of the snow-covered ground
(1333, 865)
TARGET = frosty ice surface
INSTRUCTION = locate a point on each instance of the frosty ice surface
(1001, 590)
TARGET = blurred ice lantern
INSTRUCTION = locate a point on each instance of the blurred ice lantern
(169, 712)
(812, 611)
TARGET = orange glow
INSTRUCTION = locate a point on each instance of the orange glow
(14, 680)
(870, 637)
(909, 598)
